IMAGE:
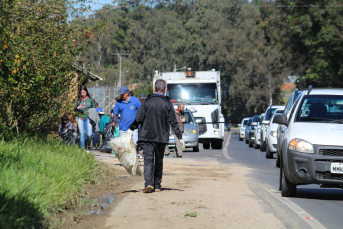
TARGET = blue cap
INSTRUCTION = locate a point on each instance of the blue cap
(122, 90)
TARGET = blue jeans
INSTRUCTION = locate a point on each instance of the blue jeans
(85, 129)
(96, 140)
(135, 135)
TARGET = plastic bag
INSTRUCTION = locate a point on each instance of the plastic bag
(125, 150)
(105, 148)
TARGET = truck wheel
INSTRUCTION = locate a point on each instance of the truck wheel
(217, 144)
(288, 189)
(240, 139)
(206, 145)
(246, 140)
(196, 148)
(269, 155)
(262, 147)
(277, 162)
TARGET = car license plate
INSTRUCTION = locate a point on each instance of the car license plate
(336, 167)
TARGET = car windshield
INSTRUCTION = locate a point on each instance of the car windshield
(256, 118)
(245, 122)
(193, 92)
(279, 111)
(190, 119)
(321, 108)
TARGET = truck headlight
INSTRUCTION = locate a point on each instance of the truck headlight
(273, 134)
(216, 132)
(259, 130)
(215, 125)
(300, 146)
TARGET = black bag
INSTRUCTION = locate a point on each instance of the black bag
(105, 148)
(107, 132)
(68, 138)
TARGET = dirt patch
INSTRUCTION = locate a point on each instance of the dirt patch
(195, 194)
(112, 188)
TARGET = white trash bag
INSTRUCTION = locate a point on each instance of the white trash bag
(125, 150)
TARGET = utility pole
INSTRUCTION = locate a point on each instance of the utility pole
(120, 60)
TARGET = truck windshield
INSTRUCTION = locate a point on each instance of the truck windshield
(193, 92)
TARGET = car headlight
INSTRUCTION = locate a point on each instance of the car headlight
(300, 146)
(190, 132)
(273, 134)
(259, 130)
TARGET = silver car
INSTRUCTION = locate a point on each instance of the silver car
(190, 135)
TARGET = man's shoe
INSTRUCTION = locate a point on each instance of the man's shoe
(93, 148)
(148, 189)
(179, 156)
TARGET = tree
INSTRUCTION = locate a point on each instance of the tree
(37, 55)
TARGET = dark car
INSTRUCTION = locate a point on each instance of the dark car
(226, 126)
(247, 130)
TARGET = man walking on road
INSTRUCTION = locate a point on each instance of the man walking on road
(155, 115)
(127, 106)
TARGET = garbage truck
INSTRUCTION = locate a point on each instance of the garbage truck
(200, 92)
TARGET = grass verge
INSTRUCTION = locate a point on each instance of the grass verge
(38, 177)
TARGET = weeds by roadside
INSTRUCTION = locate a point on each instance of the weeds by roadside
(39, 178)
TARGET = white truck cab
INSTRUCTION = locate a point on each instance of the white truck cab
(200, 92)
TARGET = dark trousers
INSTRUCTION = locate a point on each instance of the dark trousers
(153, 163)
(96, 140)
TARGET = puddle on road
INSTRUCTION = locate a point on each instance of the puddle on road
(101, 201)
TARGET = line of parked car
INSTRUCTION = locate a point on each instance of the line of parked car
(305, 135)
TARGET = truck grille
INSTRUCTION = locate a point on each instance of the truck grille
(329, 176)
(331, 152)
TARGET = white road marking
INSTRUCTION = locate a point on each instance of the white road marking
(294, 207)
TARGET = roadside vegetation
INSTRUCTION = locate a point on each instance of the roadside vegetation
(38, 178)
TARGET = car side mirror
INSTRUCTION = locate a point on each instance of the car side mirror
(254, 124)
(281, 119)
(239, 125)
(265, 122)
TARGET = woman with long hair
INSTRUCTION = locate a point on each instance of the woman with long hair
(82, 104)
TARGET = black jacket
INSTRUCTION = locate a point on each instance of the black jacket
(155, 115)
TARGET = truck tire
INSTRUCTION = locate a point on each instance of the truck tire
(288, 189)
(217, 144)
(246, 140)
(269, 155)
(196, 148)
(277, 162)
(206, 145)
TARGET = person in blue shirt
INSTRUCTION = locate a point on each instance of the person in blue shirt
(127, 107)
(98, 109)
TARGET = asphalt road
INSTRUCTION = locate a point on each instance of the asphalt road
(313, 207)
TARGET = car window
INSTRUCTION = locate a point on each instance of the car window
(269, 113)
(320, 108)
(291, 111)
(190, 119)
